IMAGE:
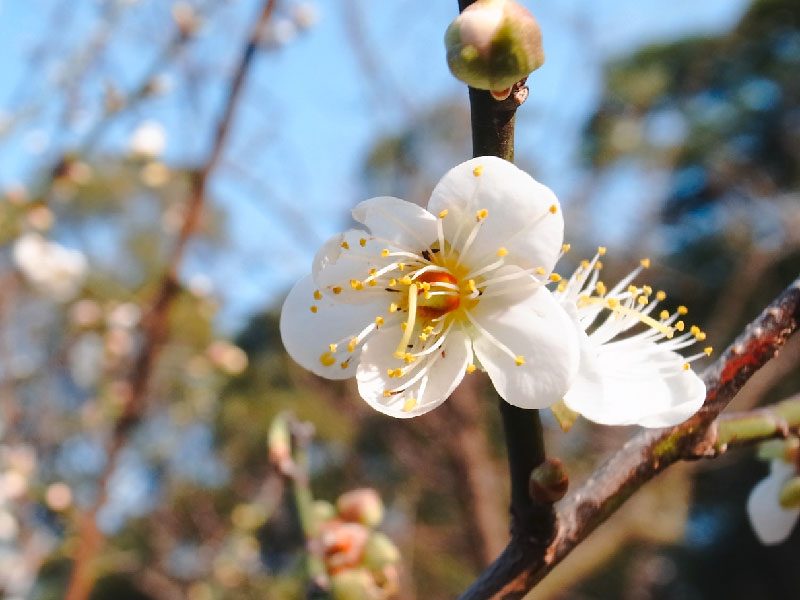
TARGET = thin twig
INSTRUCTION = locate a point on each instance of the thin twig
(155, 326)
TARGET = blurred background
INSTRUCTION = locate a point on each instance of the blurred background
(168, 170)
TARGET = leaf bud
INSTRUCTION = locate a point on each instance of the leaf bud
(549, 481)
(493, 44)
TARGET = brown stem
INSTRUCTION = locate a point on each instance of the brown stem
(155, 326)
(518, 569)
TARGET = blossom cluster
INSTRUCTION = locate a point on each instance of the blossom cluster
(416, 299)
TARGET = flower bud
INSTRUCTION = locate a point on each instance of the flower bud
(493, 44)
(790, 494)
(380, 551)
(323, 511)
(355, 584)
(363, 505)
(786, 450)
(549, 481)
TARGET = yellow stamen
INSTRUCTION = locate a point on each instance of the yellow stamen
(664, 314)
(372, 283)
(409, 358)
(686, 366)
(471, 368)
(387, 394)
(642, 300)
(632, 289)
(540, 270)
(332, 347)
(598, 265)
(412, 315)
(482, 214)
(613, 304)
(345, 364)
(409, 405)
(317, 295)
(336, 290)
(363, 242)
(555, 277)
(403, 325)
(708, 350)
(682, 310)
(647, 290)
(694, 330)
(406, 280)
(327, 359)
(352, 345)
(443, 214)
(385, 252)
(680, 325)
(566, 247)
(356, 284)
(393, 307)
(701, 336)
(601, 288)
(345, 245)
(553, 209)
(478, 171)
(379, 321)
(401, 266)
(661, 296)
(520, 360)
(645, 262)
(562, 286)
(314, 309)
(601, 250)
(392, 282)
(501, 252)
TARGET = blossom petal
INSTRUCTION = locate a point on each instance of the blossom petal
(444, 370)
(771, 522)
(538, 329)
(306, 335)
(634, 383)
(519, 212)
(397, 221)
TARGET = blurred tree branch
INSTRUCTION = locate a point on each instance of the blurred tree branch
(155, 326)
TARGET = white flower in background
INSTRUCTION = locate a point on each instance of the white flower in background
(639, 379)
(772, 520)
(403, 303)
(148, 139)
(54, 270)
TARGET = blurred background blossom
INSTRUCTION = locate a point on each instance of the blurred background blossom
(668, 130)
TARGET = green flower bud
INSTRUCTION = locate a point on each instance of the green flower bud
(790, 494)
(783, 449)
(354, 584)
(380, 551)
(363, 506)
(493, 44)
(549, 481)
(323, 511)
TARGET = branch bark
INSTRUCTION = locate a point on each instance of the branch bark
(155, 326)
(518, 569)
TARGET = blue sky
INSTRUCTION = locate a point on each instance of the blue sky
(310, 113)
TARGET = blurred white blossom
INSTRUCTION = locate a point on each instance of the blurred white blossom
(51, 268)
(148, 139)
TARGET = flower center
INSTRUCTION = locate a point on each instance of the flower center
(440, 301)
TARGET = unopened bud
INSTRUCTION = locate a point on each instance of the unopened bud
(363, 505)
(790, 494)
(549, 481)
(323, 511)
(493, 44)
(783, 449)
(380, 551)
(354, 584)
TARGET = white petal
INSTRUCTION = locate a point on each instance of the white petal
(444, 368)
(335, 266)
(771, 522)
(621, 384)
(519, 212)
(306, 335)
(538, 329)
(403, 223)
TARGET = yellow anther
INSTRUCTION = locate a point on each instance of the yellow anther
(314, 309)
(647, 290)
(345, 364)
(520, 360)
(601, 288)
(393, 307)
(661, 295)
(562, 286)
(632, 289)
(327, 359)
(425, 286)
(540, 270)
(356, 284)
(409, 358)
(403, 325)
(317, 295)
(351, 346)
(406, 280)
(363, 242)
(398, 372)
(372, 282)
(387, 394)
(645, 262)
(501, 252)
(601, 250)
(686, 366)
(566, 247)
(598, 265)
(372, 272)
(478, 171)
(584, 264)
(701, 336)
(682, 310)
(482, 214)
(401, 266)
(708, 350)
(443, 214)
(336, 290)
(427, 295)
(471, 368)
(390, 372)
(422, 337)
(553, 209)
(392, 282)
(555, 277)
(612, 303)
(409, 404)
(345, 245)
(428, 329)
(642, 300)
(664, 314)
(472, 286)
(680, 325)
(694, 330)
(332, 347)
(385, 252)
(379, 321)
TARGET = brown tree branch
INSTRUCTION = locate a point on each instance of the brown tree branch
(522, 565)
(155, 325)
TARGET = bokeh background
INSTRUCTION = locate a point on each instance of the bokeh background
(168, 170)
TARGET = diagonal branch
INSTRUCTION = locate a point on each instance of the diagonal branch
(520, 567)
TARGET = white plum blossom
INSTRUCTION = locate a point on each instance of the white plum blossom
(637, 379)
(773, 522)
(149, 139)
(53, 269)
(407, 301)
